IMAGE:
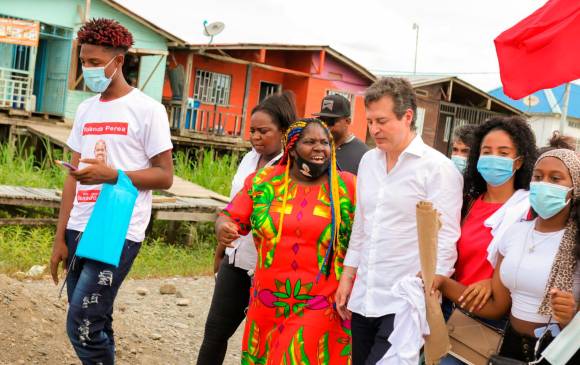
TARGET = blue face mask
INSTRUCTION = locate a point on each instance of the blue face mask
(95, 78)
(548, 199)
(495, 170)
(565, 345)
(460, 162)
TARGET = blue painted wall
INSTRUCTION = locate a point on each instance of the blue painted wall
(67, 13)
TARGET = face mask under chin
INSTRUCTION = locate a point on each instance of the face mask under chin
(309, 169)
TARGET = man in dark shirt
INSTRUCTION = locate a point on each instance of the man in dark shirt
(335, 112)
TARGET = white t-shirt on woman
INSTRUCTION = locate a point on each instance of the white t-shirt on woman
(525, 269)
(245, 255)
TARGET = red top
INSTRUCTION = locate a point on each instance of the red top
(472, 265)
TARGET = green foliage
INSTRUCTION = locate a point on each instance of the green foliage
(22, 247)
(210, 170)
(19, 166)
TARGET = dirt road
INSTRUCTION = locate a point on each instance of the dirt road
(150, 328)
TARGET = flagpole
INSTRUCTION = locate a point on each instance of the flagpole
(564, 114)
(416, 28)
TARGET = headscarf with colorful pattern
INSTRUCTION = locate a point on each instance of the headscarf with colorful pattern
(562, 272)
(291, 137)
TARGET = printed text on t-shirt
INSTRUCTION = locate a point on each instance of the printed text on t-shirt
(120, 128)
(88, 196)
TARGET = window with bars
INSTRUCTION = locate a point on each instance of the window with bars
(347, 95)
(420, 121)
(212, 87)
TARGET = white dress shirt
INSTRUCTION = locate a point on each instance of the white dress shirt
(245, 255)
(383, 244)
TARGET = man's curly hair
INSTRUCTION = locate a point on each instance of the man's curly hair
(105, 32)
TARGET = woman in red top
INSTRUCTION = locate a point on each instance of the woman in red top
(496, 184)
(497, 180)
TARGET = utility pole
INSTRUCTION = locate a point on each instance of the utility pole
(87, 11)
(416, 28)
(564, 114)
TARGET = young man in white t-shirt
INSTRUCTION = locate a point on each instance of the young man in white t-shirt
(119, 129)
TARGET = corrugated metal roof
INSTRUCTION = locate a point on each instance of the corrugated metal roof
(547, 101)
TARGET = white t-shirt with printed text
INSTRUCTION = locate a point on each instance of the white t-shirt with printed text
(125, 133)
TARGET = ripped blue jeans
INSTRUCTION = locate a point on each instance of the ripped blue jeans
(91, 288)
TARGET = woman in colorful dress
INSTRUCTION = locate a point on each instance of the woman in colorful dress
(292, 318)
(234, 267)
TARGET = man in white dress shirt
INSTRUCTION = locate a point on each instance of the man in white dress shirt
(401, 171)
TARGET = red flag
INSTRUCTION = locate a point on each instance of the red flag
(542, 51)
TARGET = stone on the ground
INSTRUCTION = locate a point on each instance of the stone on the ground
(155, 336)
(142, 291)
(19, 275)
(183, 302)
(35, 271)
(167, 289)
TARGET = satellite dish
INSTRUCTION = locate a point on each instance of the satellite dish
(212, 29)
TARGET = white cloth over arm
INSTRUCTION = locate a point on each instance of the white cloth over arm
(410, 323)
(514, 210)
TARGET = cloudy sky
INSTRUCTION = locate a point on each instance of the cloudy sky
(455, 36)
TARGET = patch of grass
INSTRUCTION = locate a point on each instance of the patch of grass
(18, 166)
(159, 259)
(210, 170)
(22, 247)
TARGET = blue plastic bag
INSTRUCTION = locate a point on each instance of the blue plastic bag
(104, 235)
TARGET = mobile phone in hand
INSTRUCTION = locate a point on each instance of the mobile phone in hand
(66, 165)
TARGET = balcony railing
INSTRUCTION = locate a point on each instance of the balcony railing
(15, 89)
(211, 122)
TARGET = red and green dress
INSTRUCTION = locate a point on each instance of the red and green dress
(291, 317)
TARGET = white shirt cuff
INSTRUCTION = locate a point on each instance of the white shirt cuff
(352, 259)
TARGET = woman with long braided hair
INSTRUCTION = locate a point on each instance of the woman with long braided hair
(300, 213)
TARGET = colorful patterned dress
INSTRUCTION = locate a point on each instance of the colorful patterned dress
(292, 318)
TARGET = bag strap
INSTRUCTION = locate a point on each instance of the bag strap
(495, 329)
(537, 346)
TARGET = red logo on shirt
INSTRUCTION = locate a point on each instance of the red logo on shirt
(120, 128)
(87, 196)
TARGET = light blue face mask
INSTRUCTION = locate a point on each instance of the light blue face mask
(460, 162)
(565, 345)
(495, 170)
(548, 199)
(95, 78)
